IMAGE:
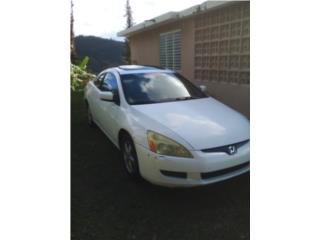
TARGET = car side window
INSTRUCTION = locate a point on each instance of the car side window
(99, 79)
(109, 83)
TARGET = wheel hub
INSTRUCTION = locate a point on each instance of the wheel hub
(128, 157)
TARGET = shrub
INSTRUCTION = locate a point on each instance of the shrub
(79, 75)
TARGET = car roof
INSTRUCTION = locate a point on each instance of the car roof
(129, 69)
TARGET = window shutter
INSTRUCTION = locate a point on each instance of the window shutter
(170, 50)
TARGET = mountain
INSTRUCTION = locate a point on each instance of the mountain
(103, 53)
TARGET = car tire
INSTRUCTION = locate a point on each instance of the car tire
(89, 117)
(129, 157)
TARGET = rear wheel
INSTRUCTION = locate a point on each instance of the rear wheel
(129, 157)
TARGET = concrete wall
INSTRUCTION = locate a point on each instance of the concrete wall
(145, 47)
(145, 50)
(235, 96)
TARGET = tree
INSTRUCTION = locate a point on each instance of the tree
(72, 44)
(128, 15)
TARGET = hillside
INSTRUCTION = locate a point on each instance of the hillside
(103, 53)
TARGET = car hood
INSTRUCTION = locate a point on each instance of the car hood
(203, 123)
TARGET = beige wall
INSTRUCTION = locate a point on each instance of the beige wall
(235, 96)
(145, 48)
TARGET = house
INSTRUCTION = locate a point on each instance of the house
(207, 43)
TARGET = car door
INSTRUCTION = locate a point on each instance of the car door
(92, 93)
(108, 111)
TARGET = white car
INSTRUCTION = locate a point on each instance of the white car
(168, 130)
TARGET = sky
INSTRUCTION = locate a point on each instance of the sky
(104, 18)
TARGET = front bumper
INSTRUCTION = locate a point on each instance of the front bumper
(204, 168)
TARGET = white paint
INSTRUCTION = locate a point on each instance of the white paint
(196, 124)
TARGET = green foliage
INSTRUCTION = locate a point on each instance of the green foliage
(79, 76)
(84, 63)
(128, 15)
(72, 45)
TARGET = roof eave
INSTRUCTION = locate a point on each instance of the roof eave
(171, 17)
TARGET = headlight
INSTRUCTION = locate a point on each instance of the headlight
(165, 146)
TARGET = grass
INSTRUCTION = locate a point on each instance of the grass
(105, 204)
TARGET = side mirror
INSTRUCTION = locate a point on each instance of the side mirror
(203, 88)
(106, 96)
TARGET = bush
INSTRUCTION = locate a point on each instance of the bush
(79, 75)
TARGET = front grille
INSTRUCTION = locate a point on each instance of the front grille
(224, 171)
(225, 148)
(174, 174)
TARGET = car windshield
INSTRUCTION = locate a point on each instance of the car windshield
(156, 87)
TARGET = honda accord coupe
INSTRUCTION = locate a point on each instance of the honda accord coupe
(169, 131)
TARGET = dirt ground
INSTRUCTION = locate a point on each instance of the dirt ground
(106, 204)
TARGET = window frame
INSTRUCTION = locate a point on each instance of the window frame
(115, 91)
(175, 50)
(105, 80)
(97, 81)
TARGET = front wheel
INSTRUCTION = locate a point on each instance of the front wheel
(129, 156)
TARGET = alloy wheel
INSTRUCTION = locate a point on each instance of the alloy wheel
(128, 156)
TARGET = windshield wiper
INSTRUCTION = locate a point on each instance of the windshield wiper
(162, 101)
(144, 102)
(184, 98)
